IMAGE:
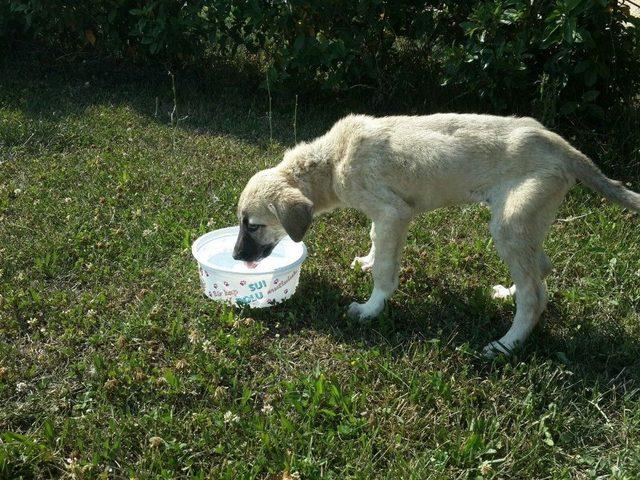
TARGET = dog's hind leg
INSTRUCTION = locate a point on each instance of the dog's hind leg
(366, 262)
(389, 236)
(531, 297)
(520, 220)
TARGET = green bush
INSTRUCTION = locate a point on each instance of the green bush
(585, 52)
(162, 30)
(559, 57)
(337, 43)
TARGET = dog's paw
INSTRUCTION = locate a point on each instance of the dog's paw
(366, 263)
(498, 291)
(494, 349)
(362, 311)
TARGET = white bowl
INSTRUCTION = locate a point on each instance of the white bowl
(227, 280)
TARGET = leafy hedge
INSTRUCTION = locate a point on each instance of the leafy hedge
(165, 30)
(563, 56)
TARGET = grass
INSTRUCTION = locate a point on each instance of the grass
(113, 365)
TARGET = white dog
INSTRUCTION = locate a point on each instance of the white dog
(393, 168)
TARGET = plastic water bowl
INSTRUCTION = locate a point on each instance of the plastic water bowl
(224, 279)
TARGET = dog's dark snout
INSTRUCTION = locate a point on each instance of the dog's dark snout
(246, 248)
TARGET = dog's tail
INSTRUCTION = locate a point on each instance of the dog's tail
(588, 173)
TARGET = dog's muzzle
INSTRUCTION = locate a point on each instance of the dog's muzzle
(248, 250)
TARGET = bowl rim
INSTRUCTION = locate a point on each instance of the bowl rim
(233, 231)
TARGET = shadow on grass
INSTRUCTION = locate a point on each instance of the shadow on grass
(234, 102)
(459, 318)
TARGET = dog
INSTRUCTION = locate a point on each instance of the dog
(393, 168)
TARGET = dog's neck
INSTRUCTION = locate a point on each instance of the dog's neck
(309, 167)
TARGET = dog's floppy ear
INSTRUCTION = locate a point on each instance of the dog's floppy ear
(294, 212)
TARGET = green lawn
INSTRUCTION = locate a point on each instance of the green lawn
(114, 365)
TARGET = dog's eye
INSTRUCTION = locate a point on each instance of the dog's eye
(252, 227)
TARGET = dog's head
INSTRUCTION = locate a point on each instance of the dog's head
(270, 208)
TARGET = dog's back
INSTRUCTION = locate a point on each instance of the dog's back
(450, 158)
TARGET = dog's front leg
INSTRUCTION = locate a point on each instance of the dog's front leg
(389, 236)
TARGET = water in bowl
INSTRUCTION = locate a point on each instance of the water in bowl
(220, 256)
(225, 261)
